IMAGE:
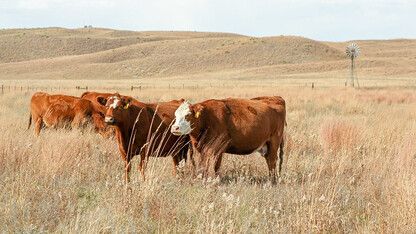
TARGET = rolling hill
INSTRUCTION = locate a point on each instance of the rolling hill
(96, 53)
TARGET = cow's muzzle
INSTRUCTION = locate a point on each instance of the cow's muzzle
(175, 131)
(110, 120)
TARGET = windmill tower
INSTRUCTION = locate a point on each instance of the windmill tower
(352, 51)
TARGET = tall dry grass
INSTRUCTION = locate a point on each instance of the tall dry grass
(348, 167)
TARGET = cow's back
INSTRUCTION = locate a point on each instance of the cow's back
(164, 110)
(246, 123)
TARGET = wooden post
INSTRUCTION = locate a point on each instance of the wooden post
(86, 87)
(131, 88)
(313, 85)
(2, 87)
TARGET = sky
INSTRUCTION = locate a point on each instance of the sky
(324, 20)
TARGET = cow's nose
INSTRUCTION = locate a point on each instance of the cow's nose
(175, 128)
(109, 119)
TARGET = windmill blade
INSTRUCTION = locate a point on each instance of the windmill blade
(352, 50)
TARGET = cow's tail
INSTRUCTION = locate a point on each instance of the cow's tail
(282, 144)
(30, 120)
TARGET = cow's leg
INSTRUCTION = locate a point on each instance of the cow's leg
(271, 159)
(142, 166)
(38, 125)
(176, 160)
(218, 164)
(127, 168)
(30, 121)
(76, 122)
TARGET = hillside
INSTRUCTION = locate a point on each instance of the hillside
(95, 53)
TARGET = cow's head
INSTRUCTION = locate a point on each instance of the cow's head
(186, 118)
(116, 107)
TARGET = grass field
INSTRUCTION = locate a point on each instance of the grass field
(350, 163)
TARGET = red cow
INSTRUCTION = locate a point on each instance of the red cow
(143, 128)
(245, 125)
(61, 110)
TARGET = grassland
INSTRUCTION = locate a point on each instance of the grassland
(349, 167)
(350, 154)
(104, 54)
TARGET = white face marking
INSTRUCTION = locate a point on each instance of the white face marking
(114, 105)
(181, 126)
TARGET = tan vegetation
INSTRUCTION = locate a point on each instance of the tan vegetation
(72, 181)
(105, 54)
(350, 155)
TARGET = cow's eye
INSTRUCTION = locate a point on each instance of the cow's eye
(120, 107)
(187, 117)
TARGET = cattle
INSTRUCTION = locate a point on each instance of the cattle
(143, 129)
(56, 111)
(245, 126)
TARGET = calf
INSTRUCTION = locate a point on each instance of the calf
(245, 125)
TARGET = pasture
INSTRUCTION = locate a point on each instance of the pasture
(349, 166)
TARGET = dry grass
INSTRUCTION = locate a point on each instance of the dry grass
(349, 167)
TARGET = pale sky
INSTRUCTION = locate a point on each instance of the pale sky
(327, 20)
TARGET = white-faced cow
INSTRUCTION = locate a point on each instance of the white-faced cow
(246, 126)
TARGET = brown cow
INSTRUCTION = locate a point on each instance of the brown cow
(61, 110)
(245, 125)
(143, 129)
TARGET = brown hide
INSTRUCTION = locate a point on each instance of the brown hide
(143, 128)
(245, 125)
(61, 110)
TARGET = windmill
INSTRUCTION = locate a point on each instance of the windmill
(352, 51)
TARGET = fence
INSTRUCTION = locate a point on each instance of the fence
(21, 88)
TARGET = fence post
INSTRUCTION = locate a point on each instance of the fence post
(313, 85)
(86, 87)
(132, 88)
(2, 87)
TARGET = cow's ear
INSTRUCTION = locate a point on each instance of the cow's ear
(197, 110)
(102, 100)
(84, 93)
(127, 103)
